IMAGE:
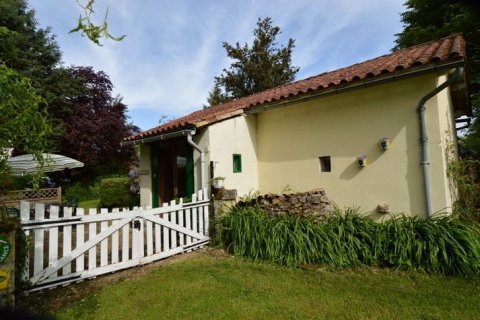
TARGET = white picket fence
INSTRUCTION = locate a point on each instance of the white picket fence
(69, 245)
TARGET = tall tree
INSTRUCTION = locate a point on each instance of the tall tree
(262, 66)
(31, 50)
(97, 125)
(34, 53)
(426, 20)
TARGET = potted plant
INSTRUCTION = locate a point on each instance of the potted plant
(217, 182)
(362, 160)
(384, 143)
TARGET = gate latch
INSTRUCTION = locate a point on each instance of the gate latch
(136, 224)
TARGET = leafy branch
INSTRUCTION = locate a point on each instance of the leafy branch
(88, 28)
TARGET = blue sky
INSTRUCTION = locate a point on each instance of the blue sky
(173, 49)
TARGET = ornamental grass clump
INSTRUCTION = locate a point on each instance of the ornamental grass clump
(341, 241)
(446, 245)
(251, 233)
(351, 240)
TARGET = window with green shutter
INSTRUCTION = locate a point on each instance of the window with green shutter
(237, 163)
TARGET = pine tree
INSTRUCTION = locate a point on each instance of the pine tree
(256, 68)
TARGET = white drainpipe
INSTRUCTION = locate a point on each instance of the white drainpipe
(425, 162)
(202, 158)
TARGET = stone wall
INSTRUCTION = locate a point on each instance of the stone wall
(303, 204)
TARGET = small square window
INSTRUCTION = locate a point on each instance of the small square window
(237, 163)
(325, 164)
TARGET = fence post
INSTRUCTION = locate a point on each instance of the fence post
(25, 216)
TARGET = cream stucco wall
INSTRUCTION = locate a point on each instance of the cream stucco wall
(235, 136)
(291, 139)
(145, 180)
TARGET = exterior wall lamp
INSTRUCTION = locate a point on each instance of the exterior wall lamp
(362, 161)
(384, 143)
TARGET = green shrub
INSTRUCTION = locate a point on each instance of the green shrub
(466, 177)
(22, 182)
(95, 189)
(446, 245)
(115, 192)
(78, 191)
(18, 182)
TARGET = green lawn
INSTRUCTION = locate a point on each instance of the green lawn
(208, 286)
(88, 204)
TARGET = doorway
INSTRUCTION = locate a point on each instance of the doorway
(172, 170)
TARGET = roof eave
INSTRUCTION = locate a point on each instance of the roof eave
(360, 84)
(157, 137)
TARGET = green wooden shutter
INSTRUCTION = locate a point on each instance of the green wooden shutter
(237, 163)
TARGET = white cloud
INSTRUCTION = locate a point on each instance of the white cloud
(173, 48)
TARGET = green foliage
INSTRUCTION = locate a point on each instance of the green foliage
(444, 244)
(426, 20)
(85, 190)
(33, 52)
(23, 124)
(87, 122)
(21, 182)
(94, 190)
(91, 30)
(23, 46)
(216, 96)
(249, 197)
(262, 66)
(472, 138)
(79, 192)
(21, 254)
(88, 204)
(115, 192)
(466, 176)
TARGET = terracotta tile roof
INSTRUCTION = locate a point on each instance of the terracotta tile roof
(439, 51)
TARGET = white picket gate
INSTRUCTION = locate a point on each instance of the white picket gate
(69, 245)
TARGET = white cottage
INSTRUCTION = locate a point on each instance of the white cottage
(396, 111)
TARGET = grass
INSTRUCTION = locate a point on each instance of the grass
(87, 204)
(209, 286)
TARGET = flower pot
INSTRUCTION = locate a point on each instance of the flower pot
(218, 183)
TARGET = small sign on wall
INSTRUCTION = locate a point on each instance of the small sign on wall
(4, 248)
(4, 278)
